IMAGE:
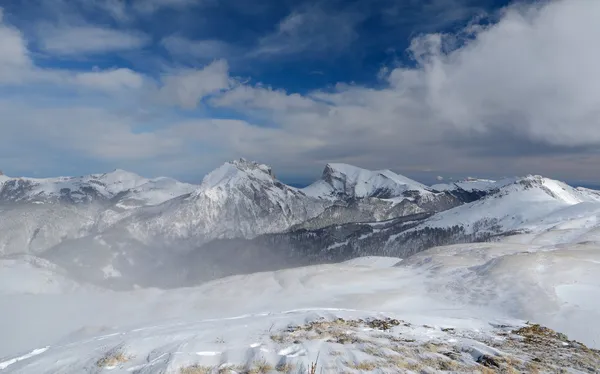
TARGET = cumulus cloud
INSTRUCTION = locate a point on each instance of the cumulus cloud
(14, 55)
(188, 86)
(532, 73)
(77, 40)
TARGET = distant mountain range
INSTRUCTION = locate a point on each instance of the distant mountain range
(120, 230)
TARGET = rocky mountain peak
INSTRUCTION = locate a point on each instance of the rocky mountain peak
(343, 180)
(245, 165)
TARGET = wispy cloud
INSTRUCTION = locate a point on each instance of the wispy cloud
(311, 29)
(150, 6)
(187, 50)
(110, 80)
(88, 39)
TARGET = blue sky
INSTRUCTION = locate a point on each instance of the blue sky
(448, 88)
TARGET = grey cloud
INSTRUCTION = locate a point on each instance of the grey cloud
(509, 143)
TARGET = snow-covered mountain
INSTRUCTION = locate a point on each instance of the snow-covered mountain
(547, 211)
(519, 205)
(124, 230)
(38, 214)
(238, 199)
(120, 184)
(342, 181)
(473, 185)
(362, 195)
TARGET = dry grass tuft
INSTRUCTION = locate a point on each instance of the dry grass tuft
(196, 369)
(366, 365)
(260, 367)
(285, 367)
(534, 331)
(374, 351)
(112, 358)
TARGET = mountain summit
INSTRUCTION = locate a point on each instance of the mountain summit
(238, 199)
(347, 181)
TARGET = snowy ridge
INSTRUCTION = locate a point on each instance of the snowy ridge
(516, 206)
(153, 192)
(342, 180)
(91, 188)
(473, 184)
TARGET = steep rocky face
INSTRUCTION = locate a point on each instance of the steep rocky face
(342, 181)
(362, 195)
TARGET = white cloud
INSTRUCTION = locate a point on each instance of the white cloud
(187, 87)
(85, 131)
(76, 40)
(533, 73)
(263, 98)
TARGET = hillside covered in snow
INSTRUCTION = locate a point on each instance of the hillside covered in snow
(461, 309)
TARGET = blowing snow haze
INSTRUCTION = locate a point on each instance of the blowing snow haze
(355, 243)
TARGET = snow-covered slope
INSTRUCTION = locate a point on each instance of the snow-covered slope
(34, 228)
(24, 274)
(153, 192)
(344, 181)
(453, 308)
